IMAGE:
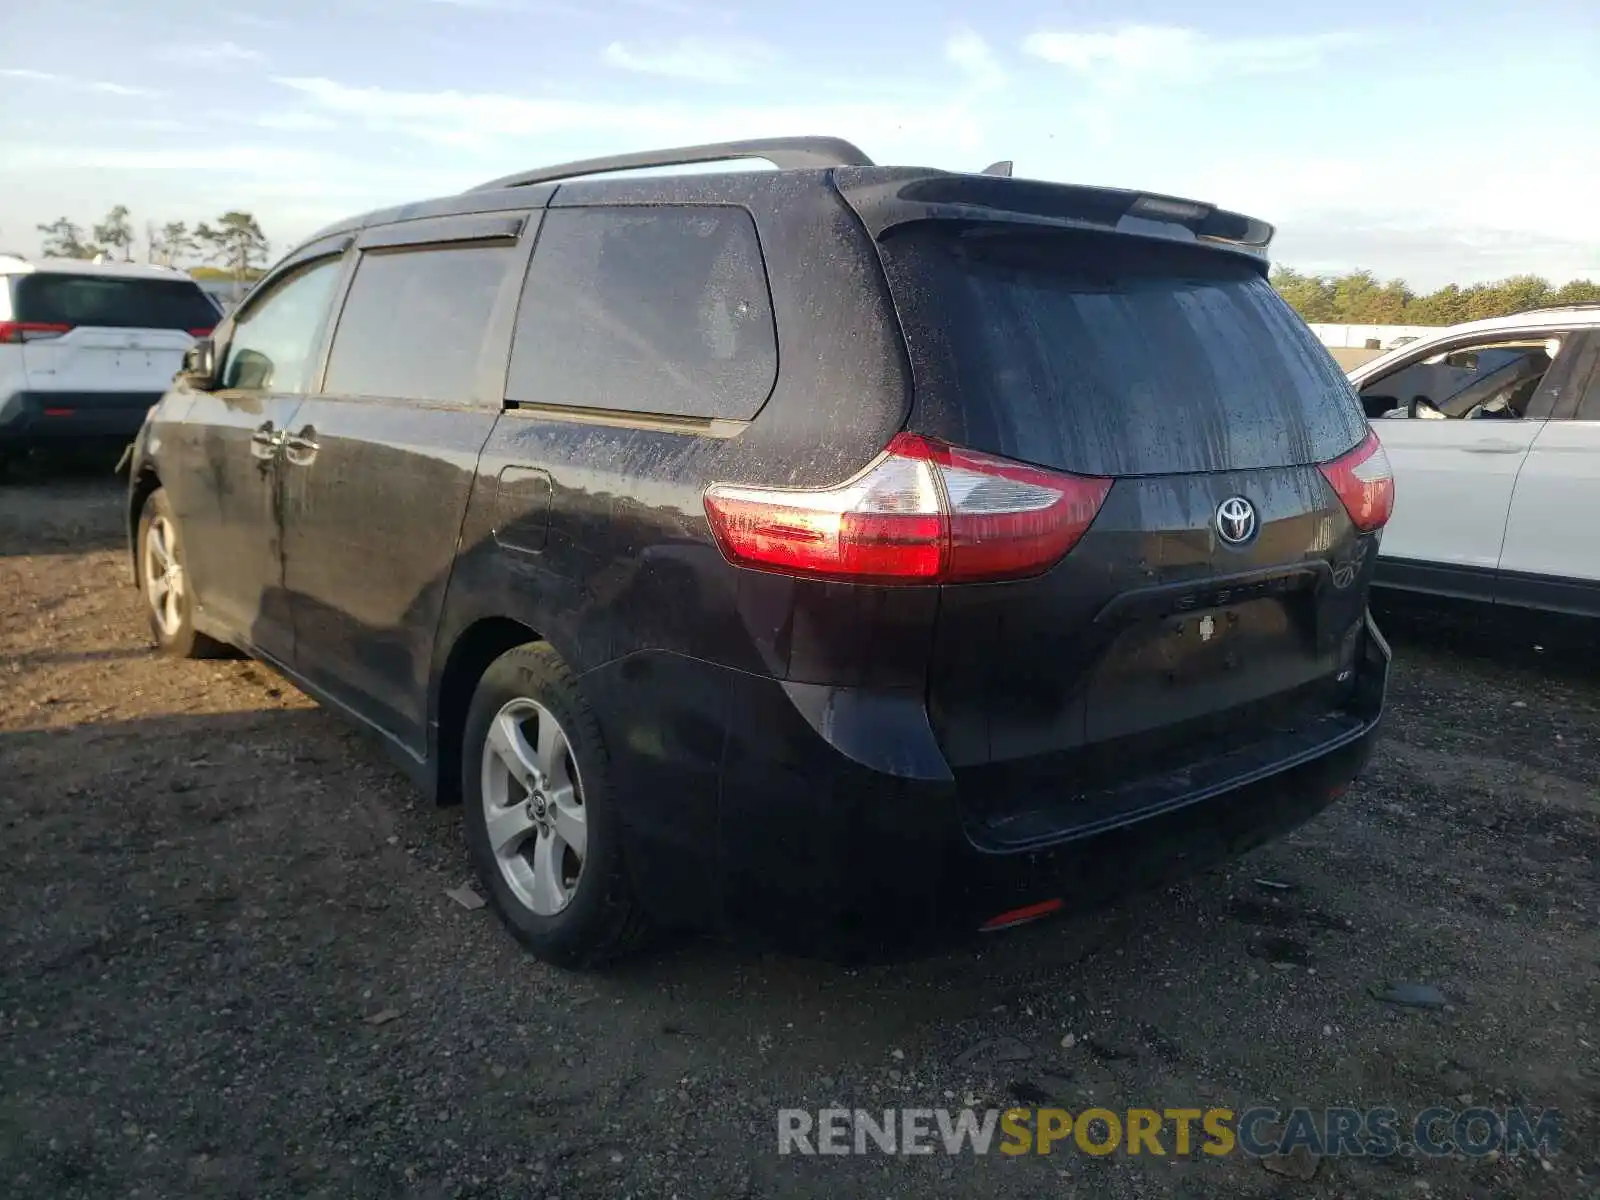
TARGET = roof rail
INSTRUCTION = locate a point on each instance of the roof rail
(1544, 308)
(787, 154)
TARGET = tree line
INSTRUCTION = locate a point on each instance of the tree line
(234, 242)
(1359, 298)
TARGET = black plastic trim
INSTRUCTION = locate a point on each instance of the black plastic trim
(1435, 579)
(426, 231)
(1514, 589)
(1550, 593)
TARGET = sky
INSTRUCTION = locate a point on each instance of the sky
(1452, 141)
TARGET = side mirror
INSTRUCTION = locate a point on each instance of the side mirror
(199, 368)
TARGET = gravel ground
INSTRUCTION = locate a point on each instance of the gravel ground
(230, 966)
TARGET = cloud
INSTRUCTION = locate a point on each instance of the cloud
(674, 8)
(700, 60)
(250, 172)
(1436, 218)
(1136, 56)
(588, 11)
(485, 5)
(1118, 67)
(466, 117)
(976, 59)
(255, 20)
(262, 160)
(69, 81)
(498, 123)
(212, 54)
(1428, 256)
(296, 121)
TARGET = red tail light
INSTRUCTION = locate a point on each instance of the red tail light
(201, 333)
(1365, 483)
(923, 512)
(14, 332)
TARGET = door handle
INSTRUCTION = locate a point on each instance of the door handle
(302, 447)
(1495, 446)
(264, 442)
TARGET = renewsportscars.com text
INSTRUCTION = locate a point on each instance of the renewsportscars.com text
(1334, 1132)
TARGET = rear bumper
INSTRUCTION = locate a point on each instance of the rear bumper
(826, 828)
(41, 417)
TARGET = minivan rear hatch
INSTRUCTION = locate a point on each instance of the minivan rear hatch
(1170, 366)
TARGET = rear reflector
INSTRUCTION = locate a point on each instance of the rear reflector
(59, 412)
(1365, 483)
(14, 332)
(200, 333)
(1021, 916)
(922, 512)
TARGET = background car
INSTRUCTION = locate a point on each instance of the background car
(87, 347)
(1493, 430)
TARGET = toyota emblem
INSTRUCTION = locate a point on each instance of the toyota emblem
(1236, 520)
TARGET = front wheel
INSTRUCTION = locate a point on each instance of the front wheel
(164, 580)
(542, 829)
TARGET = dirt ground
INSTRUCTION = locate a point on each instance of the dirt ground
(231, 969)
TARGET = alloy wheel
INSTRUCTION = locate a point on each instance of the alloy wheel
(533, 806)
(163, 576)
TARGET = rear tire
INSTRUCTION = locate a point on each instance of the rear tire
(542, 828)
(165, 584)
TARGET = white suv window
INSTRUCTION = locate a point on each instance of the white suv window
(1492, 380)
(104, 301)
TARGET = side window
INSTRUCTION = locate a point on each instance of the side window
(653, 310)
(1495, 380)
(414, 321)
(275, 340)
(1583, 387)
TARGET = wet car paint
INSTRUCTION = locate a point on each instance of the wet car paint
(791, 751)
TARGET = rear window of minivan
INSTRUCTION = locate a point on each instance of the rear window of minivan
(111, 302)
(1113, 355)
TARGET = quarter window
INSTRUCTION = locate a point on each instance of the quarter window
(653, 310)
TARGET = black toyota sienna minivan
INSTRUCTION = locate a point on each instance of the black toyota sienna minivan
(838, 553)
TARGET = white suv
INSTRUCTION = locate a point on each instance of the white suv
(1493, 431)
(87, 347)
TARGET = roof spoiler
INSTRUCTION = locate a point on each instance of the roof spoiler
(889, 199)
